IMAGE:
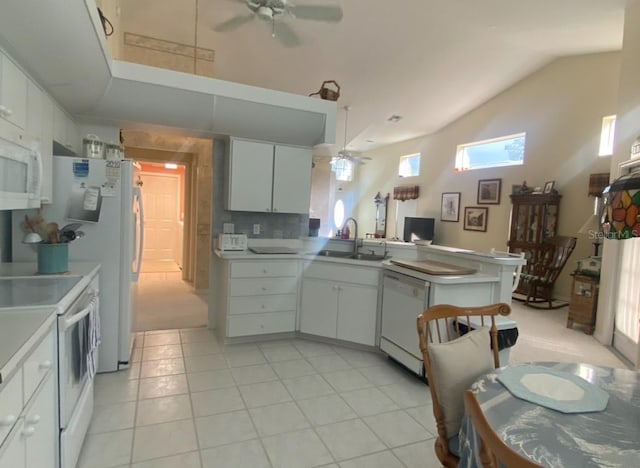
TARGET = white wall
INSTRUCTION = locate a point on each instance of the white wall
(560, 107)
(627, 129)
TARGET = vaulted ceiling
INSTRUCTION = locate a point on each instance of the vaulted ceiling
(429, 61)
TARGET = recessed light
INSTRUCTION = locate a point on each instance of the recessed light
(395, 118)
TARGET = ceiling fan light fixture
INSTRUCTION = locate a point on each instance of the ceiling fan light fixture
(265, 13)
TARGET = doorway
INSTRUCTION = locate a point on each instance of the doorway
(163, 186)
(165, 296)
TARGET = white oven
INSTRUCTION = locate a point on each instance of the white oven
(78, 337)
(20, 177)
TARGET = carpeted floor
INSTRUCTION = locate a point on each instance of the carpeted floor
(159, 266)
(163, 301)
(544, 336)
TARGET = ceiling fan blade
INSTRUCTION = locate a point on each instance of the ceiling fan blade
(327, 13)
(286, 35)
(233, 23)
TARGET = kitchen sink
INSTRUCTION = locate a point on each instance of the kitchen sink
(334, 253)
(364, 256)
(358, 256)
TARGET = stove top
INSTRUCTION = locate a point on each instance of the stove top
(35, 291)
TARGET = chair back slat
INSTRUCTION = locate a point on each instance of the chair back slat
(493, 451)
(431, 318)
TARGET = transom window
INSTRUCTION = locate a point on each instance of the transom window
(409, 165)
(606, 135)
(496, 152)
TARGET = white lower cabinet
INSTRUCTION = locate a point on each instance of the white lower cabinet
(261, 297)
(346, 309)
(28, 411)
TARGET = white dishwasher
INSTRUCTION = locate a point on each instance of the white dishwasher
(403, 299)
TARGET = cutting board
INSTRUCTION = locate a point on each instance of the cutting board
(434, 268)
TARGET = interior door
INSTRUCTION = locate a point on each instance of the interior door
(161, 203)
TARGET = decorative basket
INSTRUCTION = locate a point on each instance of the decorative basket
(326, 93)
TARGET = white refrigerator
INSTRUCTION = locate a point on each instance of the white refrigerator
(105, 197)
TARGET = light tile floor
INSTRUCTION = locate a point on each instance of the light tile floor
(189, 401)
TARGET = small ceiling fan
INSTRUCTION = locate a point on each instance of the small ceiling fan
(271, 10)
(353, 156)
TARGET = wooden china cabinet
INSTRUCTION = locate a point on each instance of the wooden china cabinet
(534, 219)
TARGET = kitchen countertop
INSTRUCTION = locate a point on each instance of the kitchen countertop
(84, 271)
(22, 327)
(20, 330)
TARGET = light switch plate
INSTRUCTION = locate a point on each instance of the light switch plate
(256, 229)
(228, 228)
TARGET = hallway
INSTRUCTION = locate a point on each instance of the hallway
(163, 301)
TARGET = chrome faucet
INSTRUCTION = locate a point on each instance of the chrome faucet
(355, 234)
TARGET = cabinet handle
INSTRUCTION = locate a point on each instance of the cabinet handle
(28, 431)
(45, 365)
(264, 271)
(262, 306)
(275, 210)
(8, 420)
(263, 288)
(35, 419)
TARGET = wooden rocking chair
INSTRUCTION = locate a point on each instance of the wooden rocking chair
(540, 277)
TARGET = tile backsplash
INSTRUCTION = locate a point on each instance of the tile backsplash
(272, 225)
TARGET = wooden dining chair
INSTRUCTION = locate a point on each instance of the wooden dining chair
(452, 364)
(494, 452)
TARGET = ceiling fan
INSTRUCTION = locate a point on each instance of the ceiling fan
(353, 156)
(270, 10)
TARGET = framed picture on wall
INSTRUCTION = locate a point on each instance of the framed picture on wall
(475, 218)
(450, 209)
(548, 186)
(489, 191)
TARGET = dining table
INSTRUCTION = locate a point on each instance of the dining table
(605, 432)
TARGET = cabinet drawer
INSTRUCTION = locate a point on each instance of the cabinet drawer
(262, 286)
(258, 324)
(261, 304)
(261, 269)
(347, 274)
(39, 362)
(10, 403)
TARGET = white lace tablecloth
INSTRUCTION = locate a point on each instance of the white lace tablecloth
(608, 438)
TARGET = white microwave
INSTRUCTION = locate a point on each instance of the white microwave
(20, 177)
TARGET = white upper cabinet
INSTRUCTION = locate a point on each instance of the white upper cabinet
(291, 179)
(268, 178)
(13, 101)
(65, 130)
(250, 176)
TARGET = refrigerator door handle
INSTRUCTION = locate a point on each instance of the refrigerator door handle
(137, 194)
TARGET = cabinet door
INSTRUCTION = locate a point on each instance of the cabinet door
(13, 93)
(12, 452)
(250, 176)
(40, 426)
(291, 179)
(59, 125)
(319, 314)
(46, 149)
(357, 312)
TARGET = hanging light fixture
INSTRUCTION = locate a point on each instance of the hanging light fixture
(621, 217)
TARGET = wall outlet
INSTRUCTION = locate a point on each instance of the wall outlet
(256, 229)
(228, 228)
